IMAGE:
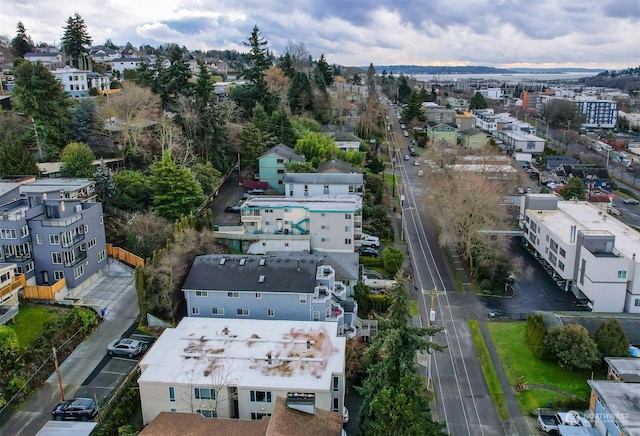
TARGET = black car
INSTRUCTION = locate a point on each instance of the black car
(368, 251)
(82, 409)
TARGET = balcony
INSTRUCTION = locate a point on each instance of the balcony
(74, 240)
(18, 282)
(251, 218)
(79, 257)
(7, 313)
(18, 258)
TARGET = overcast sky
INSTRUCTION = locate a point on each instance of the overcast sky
(501, 33)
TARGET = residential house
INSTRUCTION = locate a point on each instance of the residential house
(555, 162)
(236, 368)
(623, 369)
(126, 63)
(495, 168)
(313, 184)
(615, 407)
(292, 286)
(464, 120)
(337, 166)
(51, 60)
(10, 285)
(77, 83)
(55, 230)
(474, 139)
(491, 93)
(10, 188)
(272, 165)
(102, 54)
(437, 132)
(586, 251)
(440, 115)
(592, 176)
(521, 142)
(348, 145)
(291, 416)
(52, 169)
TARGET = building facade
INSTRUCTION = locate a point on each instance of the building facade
(597, 114)
(10, 285)
(235, 369)
(588, 252)
(54, 231)
(442, 132)
(272, 165)
(281, 286)
(314, 184)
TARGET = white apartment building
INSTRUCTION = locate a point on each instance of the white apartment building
(230, 368)
(595, 113)
(591, 254)
(74, 81)
(322, 222)
(313, 184)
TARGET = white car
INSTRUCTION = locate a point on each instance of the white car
(369, 241)
(406, 134)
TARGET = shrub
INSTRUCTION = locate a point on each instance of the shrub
(572, 346)
(534, 335)
(392, 259)
(611, 339)
(380, 303)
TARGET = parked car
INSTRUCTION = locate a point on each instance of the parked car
(369, 241)
(529, 189)
(406, 157)
(126, 347)
(82, 409)
(368, 251)
(406, 134)
(256, 191)
(630, 201)
(232, 209)
(416, 163)
(420, 173)
(548, 422)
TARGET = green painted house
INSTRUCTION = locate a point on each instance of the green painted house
(272, 166)
(437, 132)
(474, 139)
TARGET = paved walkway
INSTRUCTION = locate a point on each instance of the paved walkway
(116, 292)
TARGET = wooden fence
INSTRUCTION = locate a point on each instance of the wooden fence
(124, 256)
(44, 292)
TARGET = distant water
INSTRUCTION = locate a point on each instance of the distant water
(541, 77)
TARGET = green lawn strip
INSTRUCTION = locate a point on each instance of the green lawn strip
(489, 370)
(29, 323)
(517, 361)
(413, 306)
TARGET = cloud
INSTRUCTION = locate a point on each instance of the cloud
(360, 32)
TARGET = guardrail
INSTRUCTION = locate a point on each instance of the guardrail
(18, 281)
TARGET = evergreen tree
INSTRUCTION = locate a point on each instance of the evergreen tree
(22, 43)
(300, 94)
(77, 161)
(176, 192)
(394, 401)
(84, 120)
(285, 63)
(477, 102)
(105, 186)
(203, 89)
(75, 39)
(254, 143)
(574, 188)
(40, 97)
(16, 159)
(413, 111)
(174, 79)
(611, 339)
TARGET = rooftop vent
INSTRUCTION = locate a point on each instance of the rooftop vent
(263, 261)
(242, 261)
(222, 261)
(261, 279)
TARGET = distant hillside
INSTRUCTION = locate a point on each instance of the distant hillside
(417, 69)
(627, 80)
(555, 70)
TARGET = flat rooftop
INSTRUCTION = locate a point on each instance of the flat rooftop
(54, 184)
(270, 354)
(626, 367)
(622, 401)
(324, 203)
(590, 219)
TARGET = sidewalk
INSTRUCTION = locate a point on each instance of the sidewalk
(117, 292)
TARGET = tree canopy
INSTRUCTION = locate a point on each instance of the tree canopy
(477, 101)
(75, 39)
(572, 346)
(574, 188)
(21, 44)
(77, 161)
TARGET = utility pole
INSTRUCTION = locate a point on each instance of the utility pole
(55, 361)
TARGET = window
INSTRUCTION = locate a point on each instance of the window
(324, 239)
(303, 298)
(562, 252)
(323, 214)
(347, 228)
(206, 413)
(336, 383)
(28, 267)
(56, 257)
(91, 243)
(102, 255)
(217, 311)
(636, 302)
(347, 241)
(202, 294)
(39, 239)
(233, 294)
(8, 234)
(101, 220)
(583, 266)
(24, 231)
(554, 246)
(257, 416)
(280, 171)
(560, 266)
(54, 239)
(325, 227)
(280, 161)
(347, 216)
(258, 295)
(18, 270)
(336, 403)
(242, 312)
(58, 274)
(316, 315)
(204, 393)
(622, 274)
(271, 313)
(195, 311)
(78, 272)
(260, 396)
(172, 394)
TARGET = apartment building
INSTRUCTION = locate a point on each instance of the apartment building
(328, 223)
(54, 230)
(586, 250)
(596, 113)
(272, 165)
(291, 286)
(615, 407)
(236, 368)
(77, 82)
(10, 285)
(314, 184)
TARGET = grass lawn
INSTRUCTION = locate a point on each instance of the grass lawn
(489, 371)
(413, 306)
(30, 321)
(517, 361)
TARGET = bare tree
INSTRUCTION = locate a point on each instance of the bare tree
(299, 55)
(219, 374)
(279, 83)
(170, 137)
